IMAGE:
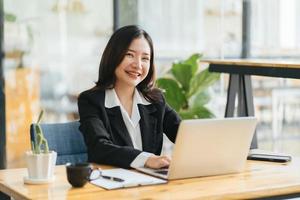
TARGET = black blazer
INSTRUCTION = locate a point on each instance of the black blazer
(106, 135)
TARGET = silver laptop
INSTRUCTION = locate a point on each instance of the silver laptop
(206, 147)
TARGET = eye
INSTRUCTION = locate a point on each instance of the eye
(145, 59)
(130, 55)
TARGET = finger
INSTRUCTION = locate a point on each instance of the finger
(167, 158)
(163, 163)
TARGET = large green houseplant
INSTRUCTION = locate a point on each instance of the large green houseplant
(185, 88)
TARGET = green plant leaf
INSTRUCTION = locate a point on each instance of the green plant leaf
(40, 116)
(173, 93)
(196, 113)
(193, 60)
(10, 17)
(199, 99)
(183, 73)
(202, 81)
(185, 88)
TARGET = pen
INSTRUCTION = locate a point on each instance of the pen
(112, 178)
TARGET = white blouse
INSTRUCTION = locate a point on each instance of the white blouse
(132, 123)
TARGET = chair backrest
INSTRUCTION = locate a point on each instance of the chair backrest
(66, 140)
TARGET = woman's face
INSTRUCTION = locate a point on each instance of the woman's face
(135, 65)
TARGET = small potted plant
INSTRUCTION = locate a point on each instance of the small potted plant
(40, 161)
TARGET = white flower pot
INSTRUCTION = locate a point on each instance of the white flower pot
(41, 166)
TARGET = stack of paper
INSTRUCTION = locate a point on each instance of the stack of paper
(131, 179)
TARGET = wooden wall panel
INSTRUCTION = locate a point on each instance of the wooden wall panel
(22, 107)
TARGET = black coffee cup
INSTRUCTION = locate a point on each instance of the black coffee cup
(78, 174)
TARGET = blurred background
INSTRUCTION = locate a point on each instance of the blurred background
(53, 49)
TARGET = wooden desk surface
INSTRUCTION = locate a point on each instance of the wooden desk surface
(256, 62)
(271, 68)
(259, 179)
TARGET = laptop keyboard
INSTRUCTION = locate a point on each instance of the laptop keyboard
(162, 171)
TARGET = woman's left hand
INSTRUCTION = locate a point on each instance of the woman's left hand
(157, 162)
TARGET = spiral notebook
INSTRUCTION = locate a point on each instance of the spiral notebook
(131, 179)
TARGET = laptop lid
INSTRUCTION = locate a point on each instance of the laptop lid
(207, 147)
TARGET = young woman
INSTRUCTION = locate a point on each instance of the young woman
(124, 116)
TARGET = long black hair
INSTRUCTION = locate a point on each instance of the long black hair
(113, 55)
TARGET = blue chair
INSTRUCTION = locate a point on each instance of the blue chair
(66, 140)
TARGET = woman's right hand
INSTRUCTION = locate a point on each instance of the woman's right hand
(157, 162)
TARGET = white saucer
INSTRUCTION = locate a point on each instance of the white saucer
(28, 180)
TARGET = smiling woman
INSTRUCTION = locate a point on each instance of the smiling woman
(134, 66)
(124, 116)
(132, 70)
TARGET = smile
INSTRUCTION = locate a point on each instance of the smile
(133, 73)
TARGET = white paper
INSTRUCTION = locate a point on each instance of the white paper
(131, 178)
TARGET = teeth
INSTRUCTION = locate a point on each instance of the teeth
(134, 73)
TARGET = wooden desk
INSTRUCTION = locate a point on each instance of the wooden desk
(240, 71)
(271, 68)
(260, 179)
